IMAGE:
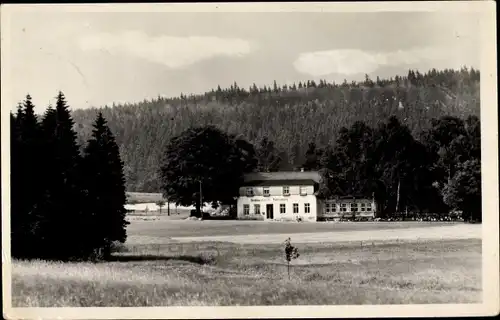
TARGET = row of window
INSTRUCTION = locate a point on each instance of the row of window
(332, 207)
(286, 191)
(246, 208)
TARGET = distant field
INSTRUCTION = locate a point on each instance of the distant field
(164, 228)
(175, 214)
(221, 274)
(141, 197)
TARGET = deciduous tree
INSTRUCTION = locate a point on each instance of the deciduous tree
(204, 162)
(463, 191)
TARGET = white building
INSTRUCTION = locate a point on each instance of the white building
(355, 208)
(279, 196)
(286, 196)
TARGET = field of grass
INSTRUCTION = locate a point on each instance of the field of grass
(220, 274)
(175, 214)
(141, 197)
(164, 228)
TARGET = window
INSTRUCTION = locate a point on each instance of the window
(286, 191)
(246, 209)
(249, 192)
(282, 208)
(363, 205)
(334, 207)
(343, 207)
(256, 208)
(327, 208)
(354, 207)
(307, 208)
(266, 191)
(368, 207)
(303, 190)
(295, 208)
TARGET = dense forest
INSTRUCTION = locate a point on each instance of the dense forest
(59, 193)
(282, 121)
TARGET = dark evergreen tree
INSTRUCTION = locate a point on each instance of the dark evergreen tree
(313, 155)
(275, 87)
(26, 177)
(268, 156)
(18, 216)
(104, 183)
(62, 198)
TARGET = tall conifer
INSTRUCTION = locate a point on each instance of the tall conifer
(105, 187)
(16, 184)
(26, 180)
(62, 195)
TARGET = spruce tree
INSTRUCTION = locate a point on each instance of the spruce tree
(26, 188)
(16, 215)
(47, 157)
(62, 198)
(105, 188)
(30, 136)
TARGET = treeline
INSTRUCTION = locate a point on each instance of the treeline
(436, 173)
(282, 118)
(66, 204)
(440, 172)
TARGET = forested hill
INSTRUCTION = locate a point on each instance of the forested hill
(290, 117)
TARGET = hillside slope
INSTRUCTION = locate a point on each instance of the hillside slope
(290, 116)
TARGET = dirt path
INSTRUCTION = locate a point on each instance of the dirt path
(465, 231)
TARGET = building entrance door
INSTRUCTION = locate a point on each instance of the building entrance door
(269, 211)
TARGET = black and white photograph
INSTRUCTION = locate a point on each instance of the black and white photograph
(249, 160)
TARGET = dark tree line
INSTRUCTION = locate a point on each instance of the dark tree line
(282, 120)
(403, 174)
(434, 173)
(66, 204)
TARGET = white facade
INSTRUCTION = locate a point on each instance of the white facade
(356, 208)
(285, 196)
(278, 202)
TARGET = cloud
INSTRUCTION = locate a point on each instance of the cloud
(353, 61)
(173, 52)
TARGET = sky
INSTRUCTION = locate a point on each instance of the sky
(97, 58)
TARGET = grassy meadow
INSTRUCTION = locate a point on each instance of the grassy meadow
(143, 197)
(164, 228)
(175, 214)
(221, 274)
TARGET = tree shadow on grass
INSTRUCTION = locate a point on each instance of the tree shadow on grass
(151, 257)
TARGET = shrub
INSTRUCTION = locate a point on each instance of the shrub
(291, 253)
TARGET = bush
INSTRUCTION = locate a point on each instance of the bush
(118, 247)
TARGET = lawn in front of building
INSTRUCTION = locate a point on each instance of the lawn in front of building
(165, 228)
(221, 274)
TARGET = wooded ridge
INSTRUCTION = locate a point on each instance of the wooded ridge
(283, 118)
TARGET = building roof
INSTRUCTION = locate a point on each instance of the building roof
(283, 176)
(356, 197)
(282, 182)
